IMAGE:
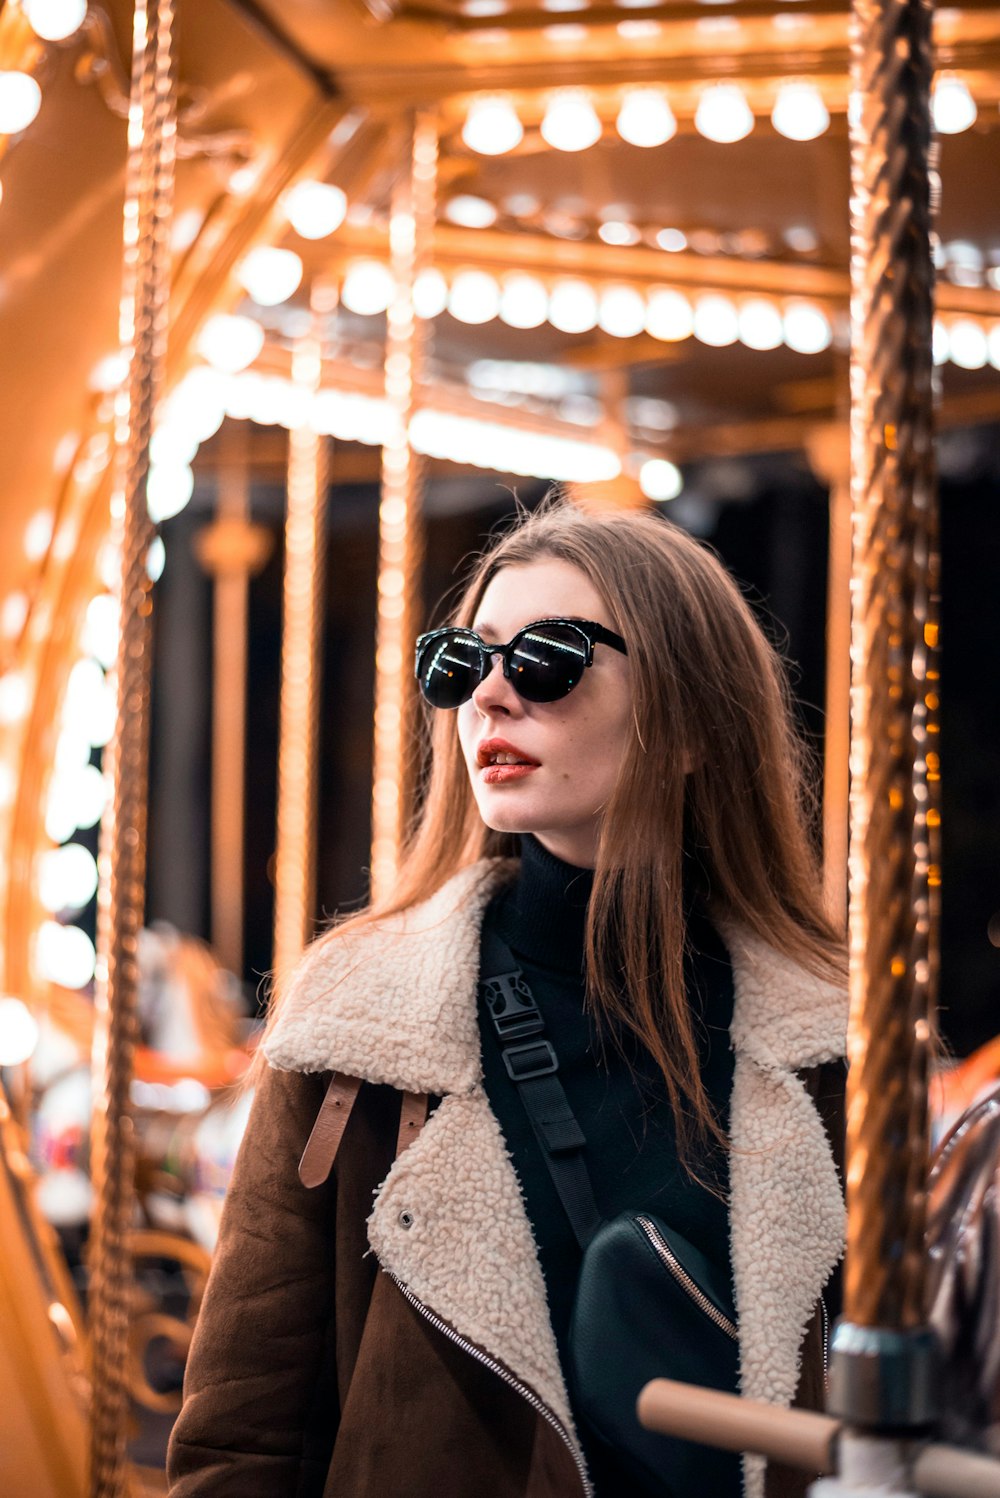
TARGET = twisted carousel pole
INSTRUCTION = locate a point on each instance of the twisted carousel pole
(883, 1353)
(411, 227)
(143, 327)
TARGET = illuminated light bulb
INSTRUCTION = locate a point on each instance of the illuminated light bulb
(169, 487)
(196, 409)
(67, 878)
(20, 101)
(952, 106)
(64, 955)
(660, 480)
(92, 791)
(13, 615)
(38, 535)
(15, 698)
(760, 325)
(573, 307)
(270, 275)
(88, 714)
(799, 112)
(109, 373)
(993, 345)
(8, 790)
(570, 123)
(72, 749)
(100, 629)
(967, 346)
(669, 316)
(940, 342)
(185, 230)
(645, 118)
(60, 808)
(156, 558)
(230, 343)
(806, 328)
(621, 311)
(368, 288)
(315, 209)
(524, 302)
(55, 20)
(672, 240)
(170, 443)
(565, 33)
(715, 321)
(470, 212)
(723, 114)
(18, 1032)
(492, 127)
(86, 681)
(614, 231)
(474, 297)
(430, 293)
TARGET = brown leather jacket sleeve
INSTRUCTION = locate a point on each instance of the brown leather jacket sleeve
(260, 1401)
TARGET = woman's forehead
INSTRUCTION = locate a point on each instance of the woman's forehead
(526, 591)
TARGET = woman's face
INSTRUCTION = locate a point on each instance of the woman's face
(574, 746)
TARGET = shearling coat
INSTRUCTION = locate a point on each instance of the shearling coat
(346, 1350)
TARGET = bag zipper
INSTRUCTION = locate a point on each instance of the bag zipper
(504, 1373)
(685, 1281)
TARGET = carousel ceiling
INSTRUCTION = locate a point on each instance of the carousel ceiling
(641, 236)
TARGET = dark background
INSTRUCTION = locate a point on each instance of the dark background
(767, 518)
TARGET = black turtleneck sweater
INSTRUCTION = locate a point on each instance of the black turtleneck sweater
(621, 1105)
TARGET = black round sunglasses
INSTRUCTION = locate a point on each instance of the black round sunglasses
(543, 662)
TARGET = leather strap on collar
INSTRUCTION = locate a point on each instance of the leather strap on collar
(331, 1121)
(328, 1130)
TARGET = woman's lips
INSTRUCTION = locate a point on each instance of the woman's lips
(500, 774)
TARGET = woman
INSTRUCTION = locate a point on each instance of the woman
(630, 736)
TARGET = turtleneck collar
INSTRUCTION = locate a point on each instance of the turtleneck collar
(545, 910)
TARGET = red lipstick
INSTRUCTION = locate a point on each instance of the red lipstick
(499, 774)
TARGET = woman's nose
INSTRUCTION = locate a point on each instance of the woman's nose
(495, 693)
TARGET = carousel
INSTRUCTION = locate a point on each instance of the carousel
(415, 262)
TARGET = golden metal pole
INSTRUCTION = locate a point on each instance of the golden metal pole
(232, 549)
(301, 633)
(148, 205)
(400, 521)
(882, 1373)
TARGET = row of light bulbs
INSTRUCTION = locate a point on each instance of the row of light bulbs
(270, 276)
(571, 121)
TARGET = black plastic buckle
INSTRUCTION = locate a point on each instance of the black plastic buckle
(513, 1011)
(521, 1068)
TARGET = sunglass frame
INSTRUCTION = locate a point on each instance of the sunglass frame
(589, 631)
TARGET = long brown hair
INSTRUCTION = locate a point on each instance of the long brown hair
(709, 694)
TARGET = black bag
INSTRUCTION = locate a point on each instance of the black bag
(648, 1303)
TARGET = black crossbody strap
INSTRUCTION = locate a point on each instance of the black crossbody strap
(532, 1065)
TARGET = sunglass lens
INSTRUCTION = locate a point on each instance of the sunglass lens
(547, 661)
(448, 669)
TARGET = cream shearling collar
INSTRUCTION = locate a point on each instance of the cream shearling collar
(396, 1004)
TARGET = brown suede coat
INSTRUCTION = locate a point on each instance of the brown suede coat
(320, 1370)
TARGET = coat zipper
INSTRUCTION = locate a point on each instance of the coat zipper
(504, 1373)
(685, 1281)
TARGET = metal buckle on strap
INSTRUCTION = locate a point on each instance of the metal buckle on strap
(536, 1059)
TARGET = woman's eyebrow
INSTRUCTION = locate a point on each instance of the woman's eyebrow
(483, 630)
